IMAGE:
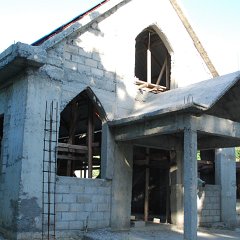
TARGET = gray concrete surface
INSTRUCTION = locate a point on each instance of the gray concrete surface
(160, 232)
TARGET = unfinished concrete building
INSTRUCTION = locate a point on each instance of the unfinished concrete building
(102, 119)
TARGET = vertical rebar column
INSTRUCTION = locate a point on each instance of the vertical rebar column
(43, 182)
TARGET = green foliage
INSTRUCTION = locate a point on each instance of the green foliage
(237, 153)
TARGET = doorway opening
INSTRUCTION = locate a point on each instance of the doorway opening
(151, 185)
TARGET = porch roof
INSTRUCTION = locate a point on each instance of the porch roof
(219, 97)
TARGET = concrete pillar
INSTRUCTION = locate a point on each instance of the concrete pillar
(176, 197)
(190, 184)
(225, 176)
(122, 187)
(107, 153)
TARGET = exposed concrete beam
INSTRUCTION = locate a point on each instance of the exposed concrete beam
(151, 127)
(194, 38)
(217, 126)
(212, 142)
(165, 142)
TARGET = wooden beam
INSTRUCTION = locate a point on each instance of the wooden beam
(194, 38)
(162, 71)
(90, 138)
(146, 198)
(149, 60)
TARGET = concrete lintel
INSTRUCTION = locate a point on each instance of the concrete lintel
(217, 126)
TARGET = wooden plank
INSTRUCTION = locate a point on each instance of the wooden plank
(149, 60)
(161, 72)
(146, 199)
(90, 138)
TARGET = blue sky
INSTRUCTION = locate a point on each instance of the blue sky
(215, 21)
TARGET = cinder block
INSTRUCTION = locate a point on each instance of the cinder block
(103, 207)
(96, 216)
(84, 53)
(96, 56)
(84, 199)
(205, 212)
(90, 190)
(68, 216)
(76, 189)
(98, 199)
(71, 65)
(78, 59)
(216, 219)
(97, 72)
(58, 216)
(76, 225)
(90, 207)
(61, 225)
(69, 198)
(84, 69)
(62, 207)
(82, 216)
(71, 48)
(62, 188)
(91, 63)
(110, 75)
(216, 206)
(59, 198)
(75, 207)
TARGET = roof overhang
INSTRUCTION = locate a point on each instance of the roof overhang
(17, 57)
(162, 120)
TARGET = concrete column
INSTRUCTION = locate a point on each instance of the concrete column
(107, 153)
(122, 187)
(176, 197)
(225, 176)
(190, 184)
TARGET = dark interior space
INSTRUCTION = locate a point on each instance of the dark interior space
(206, 166)
(79, 143)
(150, 186)
(149, 41)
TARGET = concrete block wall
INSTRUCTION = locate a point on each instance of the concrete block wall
(82, 203)
(209, 205)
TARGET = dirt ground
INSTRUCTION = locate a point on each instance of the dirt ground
(161, 232)
(154, 232)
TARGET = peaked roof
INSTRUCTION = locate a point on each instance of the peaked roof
(75, 24)
(68, 24)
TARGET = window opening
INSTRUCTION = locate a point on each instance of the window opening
(152, 62)
(79, 144)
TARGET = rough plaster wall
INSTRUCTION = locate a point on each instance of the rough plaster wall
(40, 89)
(14, 117)
(104, 56)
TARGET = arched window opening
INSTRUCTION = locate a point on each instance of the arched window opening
(79, 143)
(152, 62)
